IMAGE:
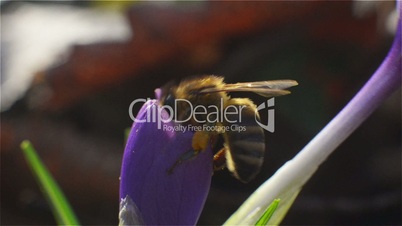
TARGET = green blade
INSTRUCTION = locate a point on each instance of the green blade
(126, 134)
(268, 213)
(61, 208)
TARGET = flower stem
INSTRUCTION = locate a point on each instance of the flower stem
(289, 179)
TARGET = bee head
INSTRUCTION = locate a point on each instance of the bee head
(189, 89)
(166, 95)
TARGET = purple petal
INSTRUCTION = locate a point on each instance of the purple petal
(163, 198)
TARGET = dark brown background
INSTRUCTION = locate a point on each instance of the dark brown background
(78, 130)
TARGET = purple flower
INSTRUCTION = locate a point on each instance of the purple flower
(149, 194)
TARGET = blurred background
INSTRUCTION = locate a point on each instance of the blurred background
(69, 71)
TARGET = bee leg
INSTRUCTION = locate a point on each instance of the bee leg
(199, 143)
(220, 160)
(185, 156)
(213, 140)
(200, 140)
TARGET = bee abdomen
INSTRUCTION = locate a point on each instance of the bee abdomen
(245, 149)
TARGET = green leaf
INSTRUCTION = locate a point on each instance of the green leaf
(61, 208)
(126, 134)
(283, 209)
(268, 213)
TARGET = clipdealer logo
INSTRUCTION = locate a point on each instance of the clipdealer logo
(210, 118)
(270, 126)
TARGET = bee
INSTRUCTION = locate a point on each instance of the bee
(207, 104)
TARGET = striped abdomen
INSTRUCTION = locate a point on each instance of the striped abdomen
(245, 149)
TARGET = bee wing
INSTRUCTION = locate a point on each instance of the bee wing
(263, 88)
